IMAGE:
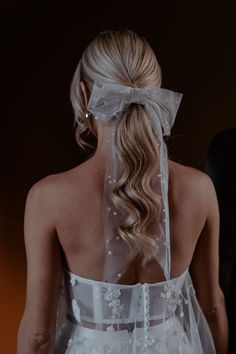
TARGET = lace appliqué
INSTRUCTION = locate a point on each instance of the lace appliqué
(171, 296)
(72, 280)
(76, 310)
(75, 306)
(85, 346)
(112, 296)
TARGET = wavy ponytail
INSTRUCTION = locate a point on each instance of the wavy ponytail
(137, 149)
(126, 58)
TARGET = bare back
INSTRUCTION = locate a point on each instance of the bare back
(78, 199)
(63, 212)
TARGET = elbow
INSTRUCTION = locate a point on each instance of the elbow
(35, 344)
(216, 305)
(40, 342)
(31, 342)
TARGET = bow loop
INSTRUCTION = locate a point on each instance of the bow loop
(107, 100)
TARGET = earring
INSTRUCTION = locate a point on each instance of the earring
(87, 114)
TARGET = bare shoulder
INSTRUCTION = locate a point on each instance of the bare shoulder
(191, 175)
(194, 183)
(52, 188)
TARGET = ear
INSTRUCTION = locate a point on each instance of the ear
(85, 93)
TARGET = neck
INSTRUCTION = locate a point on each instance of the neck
(100, 156)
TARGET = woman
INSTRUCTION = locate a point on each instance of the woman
(103, 231)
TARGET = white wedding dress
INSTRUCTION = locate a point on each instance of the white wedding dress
(96, 317)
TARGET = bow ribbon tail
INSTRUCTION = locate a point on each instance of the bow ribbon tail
(163, 254)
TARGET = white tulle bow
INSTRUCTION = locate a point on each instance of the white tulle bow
(108, 100)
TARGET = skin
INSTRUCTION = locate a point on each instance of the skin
(62, 227)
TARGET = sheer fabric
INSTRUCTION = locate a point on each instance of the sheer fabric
(96, 317)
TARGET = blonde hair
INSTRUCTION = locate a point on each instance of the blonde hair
(126, 58)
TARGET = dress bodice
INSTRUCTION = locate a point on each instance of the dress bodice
(105, 303)
(144, 318)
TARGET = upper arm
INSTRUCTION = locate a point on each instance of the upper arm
(43, 260)
(205, 263)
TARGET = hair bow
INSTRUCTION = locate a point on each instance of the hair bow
(108, 100)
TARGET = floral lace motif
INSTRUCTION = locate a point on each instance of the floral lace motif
(176, 342)
(85, 346)
(76, 310)
(72, 280)
(173, 298)
(112, 296)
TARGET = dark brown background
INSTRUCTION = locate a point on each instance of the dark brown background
(40, 47)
